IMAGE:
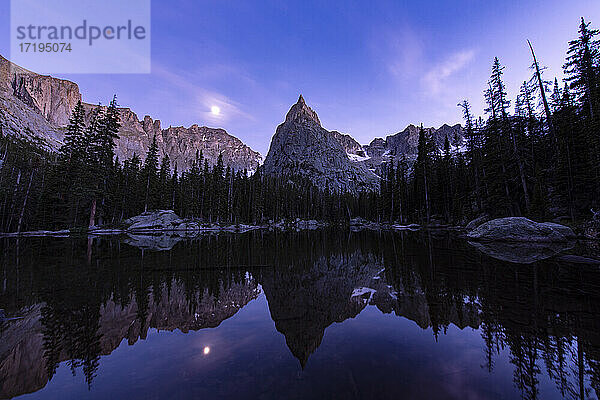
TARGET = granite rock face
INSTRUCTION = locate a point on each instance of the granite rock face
(38, 107)
(182, 144)
(23, 102)
(350, 145)
(157, 220)
(405, 143)
(301, 146)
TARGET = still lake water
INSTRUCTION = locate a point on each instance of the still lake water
(297, 315)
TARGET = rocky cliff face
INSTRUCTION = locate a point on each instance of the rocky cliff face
(351, 146)
(301, 146)
(183, 143)
(52, 98)
(23, 103)
(36, 106)
(405, 143)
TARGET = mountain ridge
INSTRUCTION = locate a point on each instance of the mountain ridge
(39, 106)
(34, 105)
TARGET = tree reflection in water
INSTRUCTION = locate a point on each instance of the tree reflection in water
(77, 306)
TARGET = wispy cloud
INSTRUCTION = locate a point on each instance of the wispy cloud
(400, 50)
(198, 100)
(435, 79)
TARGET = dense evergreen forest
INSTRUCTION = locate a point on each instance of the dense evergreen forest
(538, 157)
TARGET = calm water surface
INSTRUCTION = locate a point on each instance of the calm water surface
(267, 315)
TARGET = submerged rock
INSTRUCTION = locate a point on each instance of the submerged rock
(523, 252)
(358, 224)
(409, 227)
(520, 229)
(153, 242)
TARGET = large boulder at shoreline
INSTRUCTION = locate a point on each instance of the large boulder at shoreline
(477, 222)
(159, 220)
(520, 229)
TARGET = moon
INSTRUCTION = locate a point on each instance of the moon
(215, 110)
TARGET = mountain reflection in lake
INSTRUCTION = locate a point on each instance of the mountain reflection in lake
(293, 315)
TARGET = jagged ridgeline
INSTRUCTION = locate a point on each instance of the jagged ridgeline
(301, 146)
(37, 106)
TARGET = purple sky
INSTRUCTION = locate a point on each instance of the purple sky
(367, 68)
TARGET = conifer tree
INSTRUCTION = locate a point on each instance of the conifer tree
(102, 149)
(164, 178)
(541, 85)
(581, 68)
(423, 172)
(73, 145)
(150, 173)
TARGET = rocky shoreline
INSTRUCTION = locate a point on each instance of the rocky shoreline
(512, 239)
(166, 221)
(509, 229)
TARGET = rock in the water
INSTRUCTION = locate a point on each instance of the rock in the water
(520, 229)
(160, 220)
(358, 224)
(302, 147)
(308, 225)
(409, 227)
(564, 230)
(521, 253)
(477, 221)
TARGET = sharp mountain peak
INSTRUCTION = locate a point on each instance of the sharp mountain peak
(302, 112)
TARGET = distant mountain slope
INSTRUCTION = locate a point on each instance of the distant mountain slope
(37, 106)
(405, 143)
